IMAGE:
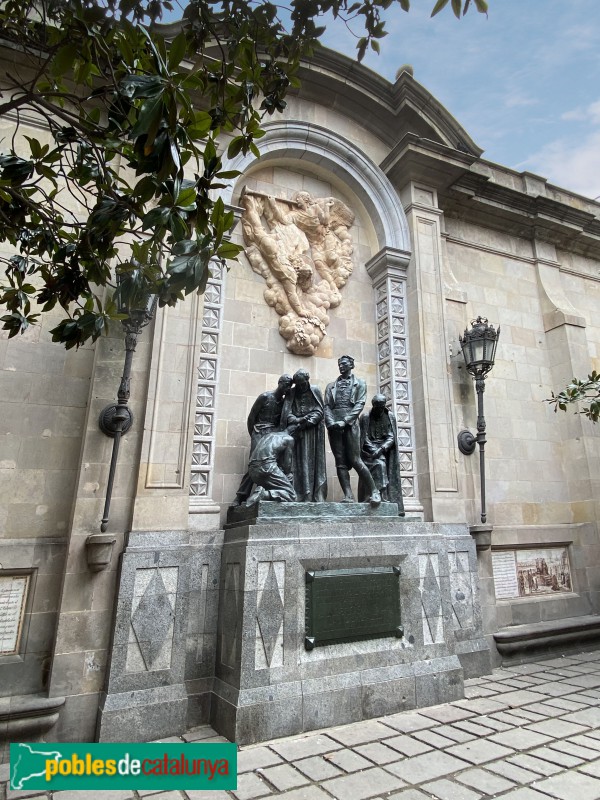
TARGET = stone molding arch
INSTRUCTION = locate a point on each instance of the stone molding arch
(310, 143)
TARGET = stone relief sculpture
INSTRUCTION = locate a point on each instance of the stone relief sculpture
(379, 452)
(303, 250)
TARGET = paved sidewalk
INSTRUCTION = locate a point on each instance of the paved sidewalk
(529, 732)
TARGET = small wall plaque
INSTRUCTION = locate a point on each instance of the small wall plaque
(347, 605)
(13, 595)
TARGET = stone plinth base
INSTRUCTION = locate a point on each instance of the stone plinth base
(268, 685)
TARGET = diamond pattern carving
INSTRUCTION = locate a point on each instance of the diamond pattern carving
(383, 328)
(406, 463)
(203, 424)
(399, 347)
(212, 295)
(384, 371)
(397, 287)
(431, 597)
(270, 613)
(381, 309)
(231, 615)
(398, 325)
(206, 396)
(211, 318)
(404, 437)
(199, 484)
(397, 305)
(408, 487)
(152, 619)
(207, 369)
(401, 390)
(403, 413)
(383, 349)
(201, 454)
(209, 342)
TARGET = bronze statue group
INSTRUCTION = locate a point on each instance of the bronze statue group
(287, 442)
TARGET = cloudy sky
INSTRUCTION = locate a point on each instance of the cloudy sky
(524, 82)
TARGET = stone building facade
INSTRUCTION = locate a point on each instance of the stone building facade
(438, 236)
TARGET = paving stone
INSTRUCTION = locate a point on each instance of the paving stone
(528, 715)
(512, 772)
(485, 782)
(360, 733)
(525, 793)
(407, 722)
(283, 777)
(317, 768)
(348, 760)
(377, 752)
(492, 723)
(498, 688)
(473, 692)
(557, 728)
(315, 745)
(587, 716)
(585, 740)
(361, 785)
(586, 681)
(527, 761)
(576, 750)
(473, 727)
(173, 795)
(520, 739)
(568, 785)
(594, 734)
(250, 786)
(409, 794)
(562, 702)
(547, 709)
(446, 713)
(509, 718)
(433, 738)
(304, 793)
(556, 688)
(209, 794)
(556, 757)
(481, 706)
(120, 794)
(407, 745)
(426, 767)
(521, 697)
(480, 751)
(256, 758)
(445, 789)
(524, 669)
(198, 734)
(583, 699)
(592, 768)
(454, 733)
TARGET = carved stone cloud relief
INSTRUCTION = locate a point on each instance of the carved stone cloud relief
(303, 249)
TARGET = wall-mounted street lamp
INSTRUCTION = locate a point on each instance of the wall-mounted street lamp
(117, 418)
(479, 350)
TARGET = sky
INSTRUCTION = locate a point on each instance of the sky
(524, 81)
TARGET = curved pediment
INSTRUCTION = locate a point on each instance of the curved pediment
(390, 110)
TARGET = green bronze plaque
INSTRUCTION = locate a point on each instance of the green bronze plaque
(347, 605)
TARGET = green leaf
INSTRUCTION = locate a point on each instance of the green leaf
(64, 60)
(438, 7)
(177, 51)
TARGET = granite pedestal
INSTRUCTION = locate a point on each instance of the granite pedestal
(269, 685)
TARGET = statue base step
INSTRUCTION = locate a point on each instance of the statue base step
(267, 510)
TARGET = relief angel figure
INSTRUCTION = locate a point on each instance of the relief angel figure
(303, 250)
